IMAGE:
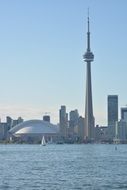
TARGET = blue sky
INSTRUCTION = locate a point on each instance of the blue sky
(41, 48)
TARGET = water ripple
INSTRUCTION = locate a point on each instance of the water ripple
(63, 167)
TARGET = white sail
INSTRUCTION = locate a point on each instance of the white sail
(43, 143)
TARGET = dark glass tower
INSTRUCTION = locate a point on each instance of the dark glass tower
(112, 110)
(89, 118)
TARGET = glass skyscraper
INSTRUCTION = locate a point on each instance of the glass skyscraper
(63, 121)
(112, 109)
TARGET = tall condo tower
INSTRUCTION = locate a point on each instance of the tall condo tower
(112, 110)
(89, 118)
(63, 122)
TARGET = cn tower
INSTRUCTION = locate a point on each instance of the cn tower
(89, 118)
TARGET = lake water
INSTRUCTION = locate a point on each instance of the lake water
(63, 167)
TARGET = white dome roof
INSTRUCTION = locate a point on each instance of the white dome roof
(34, 127)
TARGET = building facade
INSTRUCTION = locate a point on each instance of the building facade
(73, 123)
(112, 110)
(124, 114)
(63, 117)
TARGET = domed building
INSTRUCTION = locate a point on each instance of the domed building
(33, 130)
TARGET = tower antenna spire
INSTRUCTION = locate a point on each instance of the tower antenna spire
(88, 12)
(88, 33)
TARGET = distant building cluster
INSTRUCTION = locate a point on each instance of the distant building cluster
(30, 131)
(6, 126)
(116, 129)
(70, 129)
(71, 126)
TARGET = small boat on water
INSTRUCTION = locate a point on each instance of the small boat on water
(43, 143)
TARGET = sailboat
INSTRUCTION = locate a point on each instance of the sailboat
(43, 143)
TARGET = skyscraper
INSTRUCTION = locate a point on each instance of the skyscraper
(89, 118)
(74, 117)
(63, 116)
(112, 109)
(73, 122)
(124, 114)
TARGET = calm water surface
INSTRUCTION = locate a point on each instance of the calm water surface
(63, 167)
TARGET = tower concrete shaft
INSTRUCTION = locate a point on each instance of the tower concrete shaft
(89, 118)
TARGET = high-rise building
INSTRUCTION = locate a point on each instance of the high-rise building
(89, 123)
(63, 117)
(112, 109)
(12, 122)
(124, 114)
(81, 128)
(73, 122)
(121, 131)
(74, 117)
(9, 122)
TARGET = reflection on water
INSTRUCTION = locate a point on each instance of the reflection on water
(63, 167)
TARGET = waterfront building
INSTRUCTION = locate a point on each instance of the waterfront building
(32, 131)
(121, 131)
(73, 122)
(3, 131)
(124, 114)
(74, 115)
(9, 122)
(81, 128)
(89, 125)
(101, 134)
(63, 122)
(112, 110)
(121, 127)
(16, 121)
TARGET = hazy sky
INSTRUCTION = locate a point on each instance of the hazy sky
(41, 48)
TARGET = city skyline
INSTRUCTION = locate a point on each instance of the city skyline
(47, 39)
